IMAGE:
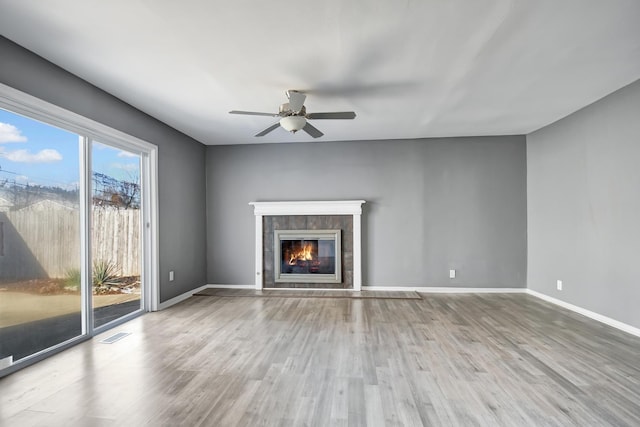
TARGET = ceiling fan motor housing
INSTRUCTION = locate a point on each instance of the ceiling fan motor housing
(285, 110)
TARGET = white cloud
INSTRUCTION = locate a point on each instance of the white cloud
(129, 167)
(126, 154)
(10, 133)
(24, 156)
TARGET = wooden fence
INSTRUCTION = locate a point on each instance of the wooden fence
(47, 243)
(116, 237)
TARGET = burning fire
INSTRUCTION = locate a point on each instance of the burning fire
(303, 254)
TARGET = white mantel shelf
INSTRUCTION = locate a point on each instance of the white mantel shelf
(332, 207)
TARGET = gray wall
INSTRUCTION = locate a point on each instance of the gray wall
(181, 165)
(584, 207)
(432, 205)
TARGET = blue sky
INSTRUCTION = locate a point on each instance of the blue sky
(37, 153)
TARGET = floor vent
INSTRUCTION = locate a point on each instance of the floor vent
(114, 338)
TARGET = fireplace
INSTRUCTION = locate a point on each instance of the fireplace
(324, 228)
(307, 256)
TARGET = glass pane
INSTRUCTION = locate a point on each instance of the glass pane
(115, 233)
(40, 301)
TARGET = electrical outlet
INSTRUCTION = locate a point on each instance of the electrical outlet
(559, 284)
(452, 274)
(171, 276)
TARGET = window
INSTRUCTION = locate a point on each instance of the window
(40, 302)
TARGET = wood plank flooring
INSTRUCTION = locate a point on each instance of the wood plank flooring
(443, 360)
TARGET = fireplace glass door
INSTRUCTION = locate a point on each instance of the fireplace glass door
(307, 256)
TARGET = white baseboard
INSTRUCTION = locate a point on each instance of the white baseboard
(588, 313)
(175, 300)
(446, 290)
(6, 362)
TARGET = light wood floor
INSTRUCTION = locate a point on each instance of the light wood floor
(488, 360)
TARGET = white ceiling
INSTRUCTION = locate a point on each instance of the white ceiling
(409, 68)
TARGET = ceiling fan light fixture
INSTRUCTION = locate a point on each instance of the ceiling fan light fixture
(293, 123)
(293, 116)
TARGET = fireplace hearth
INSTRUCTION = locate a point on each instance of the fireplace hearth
(307, 256)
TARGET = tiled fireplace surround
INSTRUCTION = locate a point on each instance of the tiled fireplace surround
(307, 222)
(317, 215)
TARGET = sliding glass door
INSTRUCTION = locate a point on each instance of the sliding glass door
(40, 237)
(116, 233)
(78, 228)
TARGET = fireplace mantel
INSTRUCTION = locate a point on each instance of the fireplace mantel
(334, 207)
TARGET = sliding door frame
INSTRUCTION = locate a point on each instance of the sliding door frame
(148, 166)
(89, 130)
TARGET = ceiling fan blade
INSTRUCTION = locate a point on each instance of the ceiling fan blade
(312, 130)
(269, 129)
(296, 100)
(336, 115)
(253, 113)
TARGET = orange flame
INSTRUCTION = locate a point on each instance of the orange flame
(303, 254)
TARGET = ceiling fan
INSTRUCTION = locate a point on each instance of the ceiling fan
(293, 116)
